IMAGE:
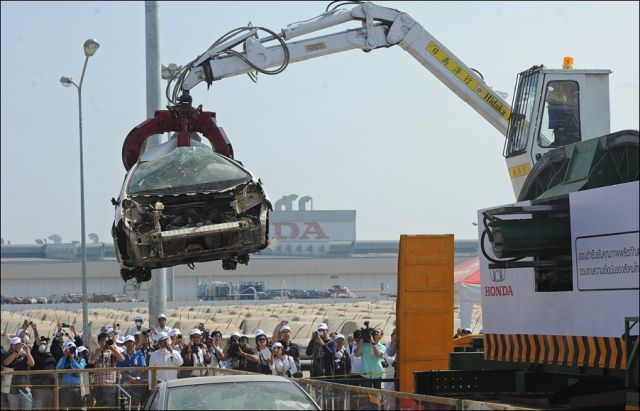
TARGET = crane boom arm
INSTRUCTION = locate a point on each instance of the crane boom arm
(381, 27)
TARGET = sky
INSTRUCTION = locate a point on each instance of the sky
(372, 132)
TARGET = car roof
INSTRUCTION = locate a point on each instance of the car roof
(221, 379)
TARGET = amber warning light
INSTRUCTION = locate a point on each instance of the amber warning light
(567, 63)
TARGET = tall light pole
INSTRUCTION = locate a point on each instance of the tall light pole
(90, 48)
(167, 73)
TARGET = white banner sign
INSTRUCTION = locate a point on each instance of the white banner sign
(607, 262)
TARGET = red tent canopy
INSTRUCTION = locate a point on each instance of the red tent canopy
(467, 272)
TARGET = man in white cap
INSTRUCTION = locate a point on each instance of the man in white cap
(20, 359)
(165, 357)
(322, 351)
(134, 381)
(161, 326)
(195, 354)
(342, 359)
(282, 334)
(137, 328)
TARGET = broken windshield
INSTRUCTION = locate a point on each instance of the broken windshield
(186, 170)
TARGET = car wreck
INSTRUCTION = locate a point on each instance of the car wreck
(187, 204)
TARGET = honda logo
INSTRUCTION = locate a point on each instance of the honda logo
(497, 275)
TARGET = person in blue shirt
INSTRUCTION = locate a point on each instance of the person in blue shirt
(70, 389)
(134, 382)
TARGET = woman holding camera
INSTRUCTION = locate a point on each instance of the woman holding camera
(281, 363)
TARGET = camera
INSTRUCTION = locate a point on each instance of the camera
(234, 347)
(365, 333)
(109, 341)
(72, 350)
(64, 325)
(145, 332)
(315, 334)
(206, 335)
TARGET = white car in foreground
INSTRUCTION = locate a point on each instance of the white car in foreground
(230, 392)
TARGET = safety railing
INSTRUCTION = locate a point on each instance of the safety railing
(54, 389)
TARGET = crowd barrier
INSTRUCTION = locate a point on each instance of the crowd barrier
(329, 393)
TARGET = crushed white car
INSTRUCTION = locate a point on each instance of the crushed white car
(182, 205)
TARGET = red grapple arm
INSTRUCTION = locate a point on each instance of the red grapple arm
(183, 119)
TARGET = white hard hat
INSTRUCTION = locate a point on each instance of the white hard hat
(285, 328)
(68, 345)
(322, 326)
(174, 331)
(129, 338)
(15, 340)
(162, 336)
(195, 331)
(137, 318)
(162, 316)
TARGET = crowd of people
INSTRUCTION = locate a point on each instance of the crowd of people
(360, 355)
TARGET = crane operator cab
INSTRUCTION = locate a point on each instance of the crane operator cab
(561, 113)
(553, 108)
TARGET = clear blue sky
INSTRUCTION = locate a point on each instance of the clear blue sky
(373, 132)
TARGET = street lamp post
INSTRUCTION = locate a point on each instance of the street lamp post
(90, 48)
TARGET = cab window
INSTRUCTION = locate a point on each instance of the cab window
(561, 115)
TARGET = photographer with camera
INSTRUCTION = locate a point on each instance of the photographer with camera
(322, 350)
(231, 355)
(371, 351)
(195, 354)
(165, 356)
(61, 337)
(18, 358)
(144, 343)
(70, 389)
(248, 356)
(104, 383)
(42, 384)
